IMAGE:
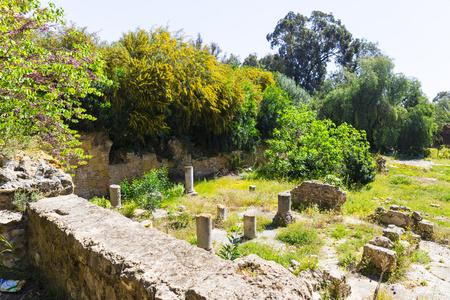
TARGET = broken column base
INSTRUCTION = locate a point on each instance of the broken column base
(338, 285)
(283, 219)
(192, 194)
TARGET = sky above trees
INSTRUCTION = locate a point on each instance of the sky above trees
(413, 33)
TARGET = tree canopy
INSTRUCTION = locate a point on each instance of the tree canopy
(307, 45)
(389, 107)
(39, 87)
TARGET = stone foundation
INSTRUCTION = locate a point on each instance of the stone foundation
(94, 253)
(325, 196)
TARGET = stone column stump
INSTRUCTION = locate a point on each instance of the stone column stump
(115, 196)
(204, 229)
(249, 226)
(284, 216)
(189, 181)
(221, 212)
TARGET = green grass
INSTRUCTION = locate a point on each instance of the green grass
(356, 236)
(300, 234)
(405, 185)
(281, 256)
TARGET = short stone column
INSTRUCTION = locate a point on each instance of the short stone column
(114, 195)
(284, 202)
(249, 226)
(284, 216)
(252, 188)
(189, 181)
(221, 212)
(204, 229)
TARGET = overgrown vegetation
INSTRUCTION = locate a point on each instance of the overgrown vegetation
(147, 192)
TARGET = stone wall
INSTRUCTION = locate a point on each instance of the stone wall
(325, 196)
(94, 178)
(94, 253)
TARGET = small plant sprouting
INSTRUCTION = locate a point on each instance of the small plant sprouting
(21, 199)
(229, 251)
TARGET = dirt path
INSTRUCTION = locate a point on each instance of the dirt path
(430, 281)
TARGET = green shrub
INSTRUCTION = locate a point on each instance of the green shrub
(229, 251)
(305, 147)
(128, 209)
(102, 202)
(148, 190)
(298, 234)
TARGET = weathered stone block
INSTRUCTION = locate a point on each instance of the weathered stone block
(393, 233)
(325, 196)
(382, 241)
(283, 219)
(425, 229)
(95, 253)
(339, 287)
(417, 216)
(379, 258)
(398, 218)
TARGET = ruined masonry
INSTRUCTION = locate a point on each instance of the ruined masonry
(325, 196)
(95, 253)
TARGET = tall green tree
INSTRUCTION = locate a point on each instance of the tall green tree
(307, 45)
(383, 104)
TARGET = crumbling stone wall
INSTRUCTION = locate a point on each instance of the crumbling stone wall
(325, 196)
(94, 178)
(94, 253)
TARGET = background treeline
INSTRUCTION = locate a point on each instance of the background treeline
(153, 85)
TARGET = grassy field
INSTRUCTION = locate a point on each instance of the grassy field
(414, 186)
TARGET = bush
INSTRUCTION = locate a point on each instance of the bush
(148, 190)
(305, 147)
(299, 234)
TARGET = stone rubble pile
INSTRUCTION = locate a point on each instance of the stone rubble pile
(378, 253)
(402, 216)
(43, 176)
(334, 280)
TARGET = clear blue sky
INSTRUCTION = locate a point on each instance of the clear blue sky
(414, 33)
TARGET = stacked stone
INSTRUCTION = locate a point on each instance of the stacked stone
(23, 174)
(12, 229)
(325, 196)
(401, 216)
(378, 252)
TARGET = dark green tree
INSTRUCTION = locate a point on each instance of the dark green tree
(389, 107)
(307, 45)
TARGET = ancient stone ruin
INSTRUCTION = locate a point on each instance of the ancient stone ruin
(325, 196)
(283, 217)
(379, 254)
(402, 216)
(381, 165)
(95, 253)
(24, 175)
(42, 175)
